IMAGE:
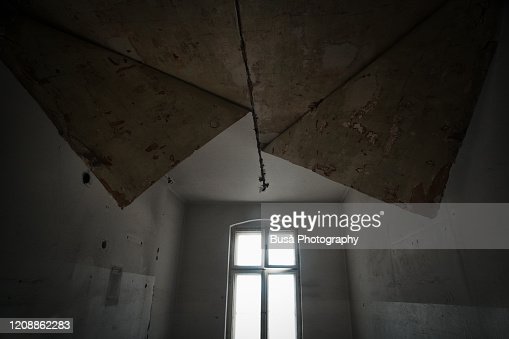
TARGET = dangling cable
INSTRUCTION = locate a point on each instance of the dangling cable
(263, 181)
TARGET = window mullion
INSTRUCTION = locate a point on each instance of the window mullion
(264, 305)
(264, 286)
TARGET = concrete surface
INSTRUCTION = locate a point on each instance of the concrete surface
(301, 51)
(129, 123)
(379, 88)
(197, 42)
(298, 51)
(61, 237)
(394, 130)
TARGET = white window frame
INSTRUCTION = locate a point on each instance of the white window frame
(265, 269)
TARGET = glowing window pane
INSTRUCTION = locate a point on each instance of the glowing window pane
(282, 308)
(247, 306)
(248, 249)
(282, 256)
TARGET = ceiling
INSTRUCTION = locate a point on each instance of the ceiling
(297, 51)
(226, 169)
(374, 95)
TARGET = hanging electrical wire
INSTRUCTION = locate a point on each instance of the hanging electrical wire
(262, 178)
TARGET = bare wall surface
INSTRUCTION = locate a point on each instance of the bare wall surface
(453, 293)
(203, 278)
(201, 293)
(61, 238)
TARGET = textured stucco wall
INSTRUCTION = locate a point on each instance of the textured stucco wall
(54, 229)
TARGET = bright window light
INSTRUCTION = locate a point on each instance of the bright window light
(282, 256)
(263, 288)
(247, 306)
(248, 249)
(282, 310)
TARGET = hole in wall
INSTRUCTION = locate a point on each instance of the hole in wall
(85, 178)
(104, 244)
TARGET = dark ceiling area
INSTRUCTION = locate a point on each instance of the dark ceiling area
(373, 95)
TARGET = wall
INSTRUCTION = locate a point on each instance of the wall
(449, 293)
(60, 238)
(201, 300)
(227, 169)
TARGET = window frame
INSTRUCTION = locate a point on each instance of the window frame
(264, 269)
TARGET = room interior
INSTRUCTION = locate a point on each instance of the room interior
(332, 102)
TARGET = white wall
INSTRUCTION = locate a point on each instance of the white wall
(227, 169)
(53, 227)
(201, 290)
(448, 293)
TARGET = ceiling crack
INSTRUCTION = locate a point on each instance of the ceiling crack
(263, 181)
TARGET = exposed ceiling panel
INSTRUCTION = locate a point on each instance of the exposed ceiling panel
(129, 122)
(374, 95)
(299, 51)
(195, 41)
(393, 131)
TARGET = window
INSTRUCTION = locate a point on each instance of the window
(263, 288)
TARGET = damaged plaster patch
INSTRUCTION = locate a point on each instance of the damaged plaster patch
(358, 127)
(372, 137)
(394, 133)
(363, 114)
(363, 98)
(324, 170)
(355, 124)
(435, 190)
